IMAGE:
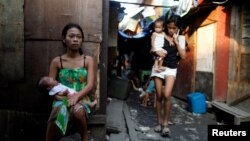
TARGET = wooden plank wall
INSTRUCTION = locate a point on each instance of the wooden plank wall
(11, 41)
(51, 15)
(245, 50)
(239, 70)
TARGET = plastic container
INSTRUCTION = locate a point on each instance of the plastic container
(197, 103)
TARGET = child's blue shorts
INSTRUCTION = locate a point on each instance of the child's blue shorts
(151, 87)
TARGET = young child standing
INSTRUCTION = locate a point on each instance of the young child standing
(157, 42)
(149, 88)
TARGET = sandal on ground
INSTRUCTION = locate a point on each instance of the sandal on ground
(157, 128)
(165, 131)
(170, 123)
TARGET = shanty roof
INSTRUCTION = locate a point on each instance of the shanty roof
(136, 16)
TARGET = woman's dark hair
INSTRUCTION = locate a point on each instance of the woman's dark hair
(176, 19)
(69, 26)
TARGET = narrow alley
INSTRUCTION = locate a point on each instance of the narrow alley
(139, 121)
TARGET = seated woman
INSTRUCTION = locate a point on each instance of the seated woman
(75, 70)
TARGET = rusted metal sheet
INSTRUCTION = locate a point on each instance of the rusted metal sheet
(46, 18)
(11, 40)
(164, 3)
(234, 44)
(92, 49)
(245, 30)
(245, 50)
(40, 52)
(113, 24)
(222, 54)
(245, 68)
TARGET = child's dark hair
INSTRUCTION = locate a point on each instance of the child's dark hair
(160, 20)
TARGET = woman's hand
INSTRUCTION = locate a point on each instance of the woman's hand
(73, 100)
(175, 36)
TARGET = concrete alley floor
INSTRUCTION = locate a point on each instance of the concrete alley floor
(187, 126)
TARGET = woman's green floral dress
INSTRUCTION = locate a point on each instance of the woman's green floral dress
(77, 80)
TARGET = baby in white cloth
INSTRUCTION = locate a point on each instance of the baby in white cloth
(56, 88)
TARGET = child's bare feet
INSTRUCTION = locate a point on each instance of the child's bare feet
(144, 105)
(143, 93)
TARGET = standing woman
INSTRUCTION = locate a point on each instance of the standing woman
(76, 70)
(171, 60)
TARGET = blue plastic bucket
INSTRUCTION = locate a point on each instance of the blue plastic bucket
(197, 103)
